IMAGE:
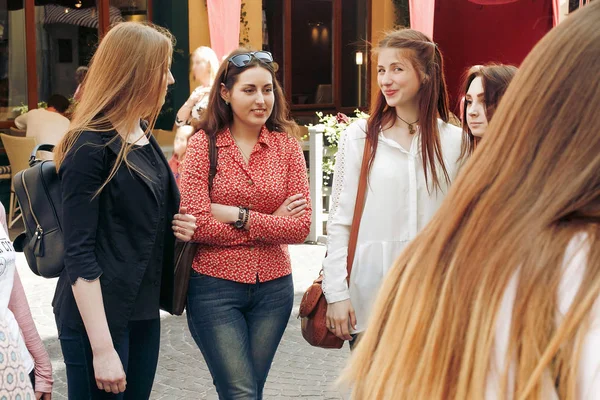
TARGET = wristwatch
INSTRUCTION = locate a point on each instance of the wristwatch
(242, 218)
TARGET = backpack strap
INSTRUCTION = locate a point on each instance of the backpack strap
(40, 147)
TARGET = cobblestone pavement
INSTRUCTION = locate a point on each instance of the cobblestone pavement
(298, 370)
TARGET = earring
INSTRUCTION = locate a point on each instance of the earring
(226, 102)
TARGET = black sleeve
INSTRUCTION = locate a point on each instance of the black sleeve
(82, 173)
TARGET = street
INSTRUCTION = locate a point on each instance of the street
(298, 370)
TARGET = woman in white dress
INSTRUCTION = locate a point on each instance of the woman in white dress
(414, 158)
(499, 296)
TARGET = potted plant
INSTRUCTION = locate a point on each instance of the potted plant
(334, 126)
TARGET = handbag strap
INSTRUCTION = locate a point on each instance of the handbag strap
(213, 156)
(359, 206)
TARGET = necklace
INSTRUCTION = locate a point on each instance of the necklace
(246, 158)
(411, 125)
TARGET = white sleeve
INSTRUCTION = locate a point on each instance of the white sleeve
(21, 121)
(589, 363)
(575, 262)
(343, 198)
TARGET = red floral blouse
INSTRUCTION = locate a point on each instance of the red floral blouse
(276, 170)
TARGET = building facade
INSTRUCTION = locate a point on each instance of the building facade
(322, 47)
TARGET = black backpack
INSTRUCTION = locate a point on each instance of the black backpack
(39, 193)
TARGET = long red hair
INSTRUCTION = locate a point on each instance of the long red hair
(433, 100)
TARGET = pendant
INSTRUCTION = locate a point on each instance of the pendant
(411, 129)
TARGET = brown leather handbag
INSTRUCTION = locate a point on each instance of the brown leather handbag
(186, 251)
(313, 307)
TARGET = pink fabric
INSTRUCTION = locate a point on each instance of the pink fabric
(224, 25)
(421, 16)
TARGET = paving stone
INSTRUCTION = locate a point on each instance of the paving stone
(298, 371)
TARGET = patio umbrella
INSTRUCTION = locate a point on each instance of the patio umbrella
(78, 16)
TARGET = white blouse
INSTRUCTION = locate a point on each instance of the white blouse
(398, 205)
(588, 374)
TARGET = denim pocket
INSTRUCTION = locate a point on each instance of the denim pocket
(200, 281)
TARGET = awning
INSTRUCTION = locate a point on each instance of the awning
(83, 17)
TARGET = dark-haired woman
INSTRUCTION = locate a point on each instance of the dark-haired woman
(414, 158)
(241, 291)
(483, 88)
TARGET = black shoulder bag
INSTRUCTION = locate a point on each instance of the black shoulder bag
(186, 251)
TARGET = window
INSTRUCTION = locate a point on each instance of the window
(575, 4)
(13, 59)
(312, 52)
(65, 38)
(355, 53)
(56, 36)
(321, 47)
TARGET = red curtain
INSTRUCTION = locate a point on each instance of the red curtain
(492, 2)
(224, 25)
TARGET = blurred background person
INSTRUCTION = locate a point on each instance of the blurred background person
(80, 74)
(46, 125)
(179, 148)
(204, 69)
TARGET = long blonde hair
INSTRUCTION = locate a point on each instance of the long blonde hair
(209, 57)
(532, 185)
(125, 82)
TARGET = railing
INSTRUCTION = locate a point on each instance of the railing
(316, 151)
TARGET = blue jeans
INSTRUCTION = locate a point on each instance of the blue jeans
(138, 350)
(238, 327)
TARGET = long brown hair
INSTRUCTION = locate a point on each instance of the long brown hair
(495, 79)
(532, 185)
(218, 115)
(125, 82)
(427, 59)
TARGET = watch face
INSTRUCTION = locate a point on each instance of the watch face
(238, 224)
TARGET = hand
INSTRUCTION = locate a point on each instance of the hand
(184, 225)
(340, 317)
(108, 371)
(293, 206)
(196, 96)
(225, 214)
(43, 396)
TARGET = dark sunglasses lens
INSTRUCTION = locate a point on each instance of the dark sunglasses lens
(264, 56)
(241, 60)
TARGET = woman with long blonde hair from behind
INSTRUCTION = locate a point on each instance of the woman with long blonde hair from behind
(119, 201)
(499, 296)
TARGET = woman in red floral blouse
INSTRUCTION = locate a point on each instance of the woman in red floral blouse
(241, 291)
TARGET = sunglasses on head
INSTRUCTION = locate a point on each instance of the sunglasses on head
(242, 60)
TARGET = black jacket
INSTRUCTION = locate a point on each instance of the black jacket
(110, 236)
